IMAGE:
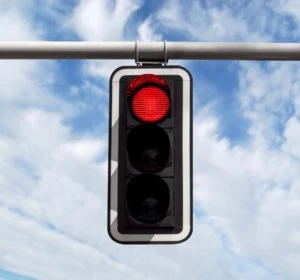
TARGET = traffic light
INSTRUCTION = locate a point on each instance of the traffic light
(150, 155)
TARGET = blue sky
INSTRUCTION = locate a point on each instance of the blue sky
(53, 144)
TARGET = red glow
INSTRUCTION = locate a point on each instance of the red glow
(146, 79)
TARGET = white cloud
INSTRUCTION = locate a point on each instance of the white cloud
(103, 69)
(32, 248)
(210, 23)
(49, 177)
(251, 192)
(268, 97)
(103, 20)
(84, 149)
(231, 21)
(288, 8)
(147, 32)
(14, 21)
(292, 136)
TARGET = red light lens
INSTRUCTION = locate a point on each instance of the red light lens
(150, 100)
(150, 104)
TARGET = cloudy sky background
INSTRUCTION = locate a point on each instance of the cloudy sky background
(53, 144)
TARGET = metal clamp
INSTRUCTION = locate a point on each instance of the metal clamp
(141, 62)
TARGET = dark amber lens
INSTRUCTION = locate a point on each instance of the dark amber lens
(148, 148)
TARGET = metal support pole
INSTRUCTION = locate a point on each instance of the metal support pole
(149, 51)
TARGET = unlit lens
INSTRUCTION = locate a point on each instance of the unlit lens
(148, 147)
(148, 198)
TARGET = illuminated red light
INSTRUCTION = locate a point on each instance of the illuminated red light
(150, 101)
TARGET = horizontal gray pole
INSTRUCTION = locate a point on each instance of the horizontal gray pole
(149, 51)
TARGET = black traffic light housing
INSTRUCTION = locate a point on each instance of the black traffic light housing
(150, 155)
